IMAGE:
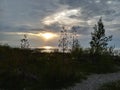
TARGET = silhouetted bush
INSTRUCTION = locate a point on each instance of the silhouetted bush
(21, 68)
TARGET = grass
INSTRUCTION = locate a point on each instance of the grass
(111, 86)
(22, 68)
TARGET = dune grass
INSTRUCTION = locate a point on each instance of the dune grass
(24, 68)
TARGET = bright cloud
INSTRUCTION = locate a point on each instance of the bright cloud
(63, 17)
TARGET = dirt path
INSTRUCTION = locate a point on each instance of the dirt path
(95, 81)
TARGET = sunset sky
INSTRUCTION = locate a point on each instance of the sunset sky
(42, 20)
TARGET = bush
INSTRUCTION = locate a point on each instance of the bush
(20, 68)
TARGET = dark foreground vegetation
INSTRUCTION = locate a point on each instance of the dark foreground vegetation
(34, 71)
(24, 68)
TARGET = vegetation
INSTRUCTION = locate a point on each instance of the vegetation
(23, 68)
(111, 86)
(99, 40)
(74, 41)
(63, 42)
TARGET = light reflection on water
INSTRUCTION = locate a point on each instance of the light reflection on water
(48, 49)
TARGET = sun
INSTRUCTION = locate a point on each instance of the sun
(47, 47)
(48, 36)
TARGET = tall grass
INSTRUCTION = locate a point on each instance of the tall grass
(24, 68)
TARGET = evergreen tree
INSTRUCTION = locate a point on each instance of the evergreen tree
(99, 40)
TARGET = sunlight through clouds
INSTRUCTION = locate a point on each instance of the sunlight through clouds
(63, 17)
(48, 35)
(109, 2)
(44, 35)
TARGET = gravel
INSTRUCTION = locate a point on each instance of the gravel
(94, 81)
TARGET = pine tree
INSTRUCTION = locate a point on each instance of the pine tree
(99, 40)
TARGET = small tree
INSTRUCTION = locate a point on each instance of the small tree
(75, 42)
(76, 49)
(24, 42)
(99, 40)
(63, 42)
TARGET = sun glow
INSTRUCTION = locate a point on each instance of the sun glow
(48, 35)
(43, 35)
(47, 47)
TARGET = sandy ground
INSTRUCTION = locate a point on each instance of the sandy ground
(94, 81)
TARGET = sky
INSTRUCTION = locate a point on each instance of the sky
(41, 18)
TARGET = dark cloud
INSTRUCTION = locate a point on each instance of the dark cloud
(9, 28)
(53, 28)
(81, 30)
(26, 11)
(92, 8)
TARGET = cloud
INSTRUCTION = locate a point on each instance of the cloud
(36, 16)
(63, 17)
(93, 8)
(26, 12)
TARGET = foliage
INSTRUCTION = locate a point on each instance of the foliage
(75, 43)
(63, 42)
(21, 68)
(99, 40)
(24, 68)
